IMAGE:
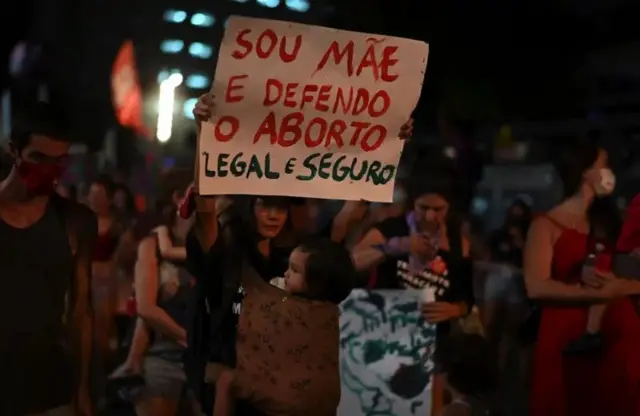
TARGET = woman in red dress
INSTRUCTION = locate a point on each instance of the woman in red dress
(603, 383)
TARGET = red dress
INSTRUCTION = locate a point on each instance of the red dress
(585, 385)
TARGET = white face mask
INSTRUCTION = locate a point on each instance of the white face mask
(607, 182)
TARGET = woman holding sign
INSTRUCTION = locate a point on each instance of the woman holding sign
(424, 249)
(232, 257)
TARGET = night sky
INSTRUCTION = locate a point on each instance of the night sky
(489, 60)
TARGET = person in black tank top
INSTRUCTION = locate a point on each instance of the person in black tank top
(424, 249)
(47, 242)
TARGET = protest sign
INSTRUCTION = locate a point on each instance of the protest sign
(308, 111)
(386, 355)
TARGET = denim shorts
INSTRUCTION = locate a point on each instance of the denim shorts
(163, 378)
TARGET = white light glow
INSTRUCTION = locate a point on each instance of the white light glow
(166, 101)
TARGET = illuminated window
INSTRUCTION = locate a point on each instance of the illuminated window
(197, 81)
(298, 5)
(172, 46)
(200, 50)
(272, 4)
(175, 16)
(202, 20)
(165, 73)
(188, 107)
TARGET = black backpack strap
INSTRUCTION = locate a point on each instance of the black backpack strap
(454, 235)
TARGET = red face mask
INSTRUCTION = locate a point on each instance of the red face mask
(40, 178)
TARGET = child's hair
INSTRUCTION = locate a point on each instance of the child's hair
(330, 273)
(469, 364)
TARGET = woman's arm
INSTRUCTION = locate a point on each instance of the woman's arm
(351, 214)
(367, 254)
(126, 251)
(139, 342)
(146, 290)
(167, 249)
(538, 256)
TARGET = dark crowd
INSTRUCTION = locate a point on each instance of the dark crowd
(229, 305)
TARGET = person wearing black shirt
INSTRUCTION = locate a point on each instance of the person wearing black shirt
(423, 249)
(219, 249)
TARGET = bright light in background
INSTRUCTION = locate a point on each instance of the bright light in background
(197, 81)
(269, 3)
(200, 50)
(301, 6)
(171, 45)
(202, 20)
(164, 74)
(188, 107)
(175, 16)
(166, 101)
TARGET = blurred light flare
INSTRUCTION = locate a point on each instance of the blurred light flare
(166, 102)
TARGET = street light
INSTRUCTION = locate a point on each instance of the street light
(166, 101)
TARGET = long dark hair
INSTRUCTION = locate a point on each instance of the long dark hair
(241, 217)
(577, 157)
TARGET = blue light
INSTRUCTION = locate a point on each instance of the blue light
(272, 4)
(301, 6)
(202, 20)
(197, 81)
(172, 46)
(188, 107)
(200, 50)
(175, 16)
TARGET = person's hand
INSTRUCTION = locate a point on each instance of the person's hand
(203, 110)
(406, 131)
(353, 211)
(128, 368)
(422, 246)
(437, 312)
(615, 287)
(594, 280)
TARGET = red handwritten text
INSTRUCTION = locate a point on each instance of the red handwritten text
(233, 85)
(319, 132)
(379, 64)
(265, 44)
(327, 98)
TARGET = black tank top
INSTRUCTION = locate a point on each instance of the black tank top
(36, 266)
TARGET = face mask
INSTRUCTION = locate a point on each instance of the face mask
(607, 182)
(39, 178)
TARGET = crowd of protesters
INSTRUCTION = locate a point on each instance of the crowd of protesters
(229, 305)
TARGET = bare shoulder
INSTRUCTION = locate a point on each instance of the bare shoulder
(544, 227)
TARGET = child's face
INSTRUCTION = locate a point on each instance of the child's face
(294, 278)
(169, 290)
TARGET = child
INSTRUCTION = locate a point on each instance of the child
(626, 263)
(298, 372)
(470, 375)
